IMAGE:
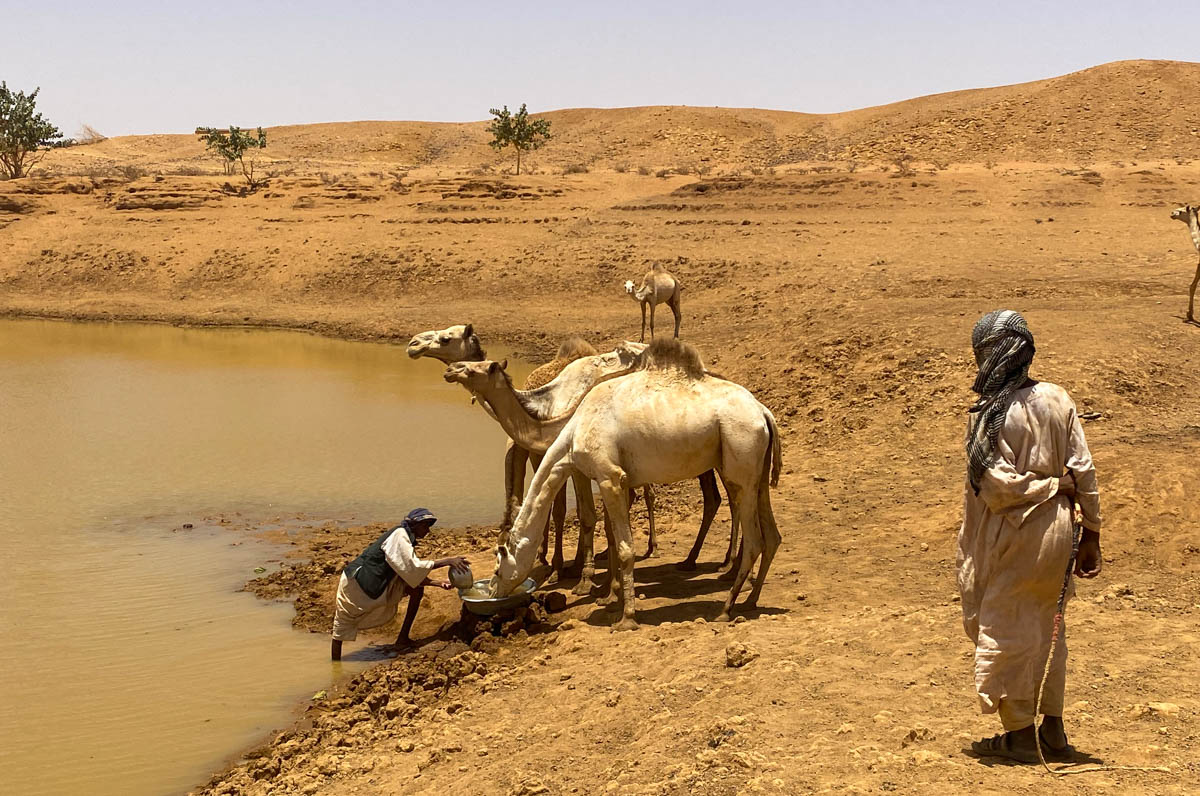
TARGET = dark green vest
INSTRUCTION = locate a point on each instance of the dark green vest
(371, 569)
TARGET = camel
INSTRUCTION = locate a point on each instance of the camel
(1189, 215)
(667, 421)
(658, 287)
(575, 378)
(489, 384)
(453, 344)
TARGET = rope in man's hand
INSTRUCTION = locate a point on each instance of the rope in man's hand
(1076, 535)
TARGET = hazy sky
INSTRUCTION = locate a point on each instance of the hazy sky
(167, 66)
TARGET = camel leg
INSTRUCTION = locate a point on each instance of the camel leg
(1191, 295)
(584, 563)
(559, 514)
(652, 305)
(712, 502)
(648, 496)
(610, 586)
(733, 554)
(746, 508)
(643, 339)
(616, 505)
(771, 539)
(514, 486)
(535, 459)
(674, 304)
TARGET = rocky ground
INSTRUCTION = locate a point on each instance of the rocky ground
(843, 294)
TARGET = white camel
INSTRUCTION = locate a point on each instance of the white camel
(453, 344)
(535, 431)
(667, 422)
(658, 287)
(548, 400)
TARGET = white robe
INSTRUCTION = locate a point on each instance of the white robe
(356, 611)
(1014, 545)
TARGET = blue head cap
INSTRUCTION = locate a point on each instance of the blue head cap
(420, 515)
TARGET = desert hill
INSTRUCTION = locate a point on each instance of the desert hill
(1115, 111)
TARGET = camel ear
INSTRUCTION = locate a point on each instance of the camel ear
(493, 366)
(469, 330)
(504, 365)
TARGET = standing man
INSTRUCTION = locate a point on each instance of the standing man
(1027, 465)
(369, 591)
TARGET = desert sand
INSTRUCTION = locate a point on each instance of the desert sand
(835, 266)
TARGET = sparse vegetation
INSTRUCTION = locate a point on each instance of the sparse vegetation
(518, 131)
(620, 168)
(662, 173)
(232, 145)
(397, 185)
(576, 168)
(25, 135)
(644, 171)
(903, 164)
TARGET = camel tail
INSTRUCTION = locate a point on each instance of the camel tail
(774, 462)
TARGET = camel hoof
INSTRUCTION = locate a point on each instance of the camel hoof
(583, 587)
(728, 574)
(686, 566)
(626, 624)
(723, 617)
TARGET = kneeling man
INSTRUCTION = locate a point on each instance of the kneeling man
(369, 591)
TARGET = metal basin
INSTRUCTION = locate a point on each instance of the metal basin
(486, 606)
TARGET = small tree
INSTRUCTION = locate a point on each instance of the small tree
(518, 131)
(232, 145)
(25, 136)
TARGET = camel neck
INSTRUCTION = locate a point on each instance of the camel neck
(1194, 228)
(523, 428)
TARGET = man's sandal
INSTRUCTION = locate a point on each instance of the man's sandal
(1065, 754)
(1001, 746)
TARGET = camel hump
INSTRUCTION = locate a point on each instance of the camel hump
(667, 353)
(574, 348)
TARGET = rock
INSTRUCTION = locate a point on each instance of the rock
(1163, 708)
(612, 699)
(405, 745)
(801, 597)
(925, 756)
(555, 601)
(917, 735)
(570, 624)
(738, 655)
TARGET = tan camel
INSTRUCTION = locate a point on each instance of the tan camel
(489, 384)
(459, 343)
(1189, 215)
(668, 421)
(658, 287)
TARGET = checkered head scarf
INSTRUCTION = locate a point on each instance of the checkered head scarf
(1003, 350)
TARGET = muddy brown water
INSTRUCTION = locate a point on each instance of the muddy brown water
(131, 662)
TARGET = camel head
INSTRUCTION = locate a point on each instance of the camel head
(1182, 212)
(454, 344)
(629, 286)
(478, 377)
(508, 574)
